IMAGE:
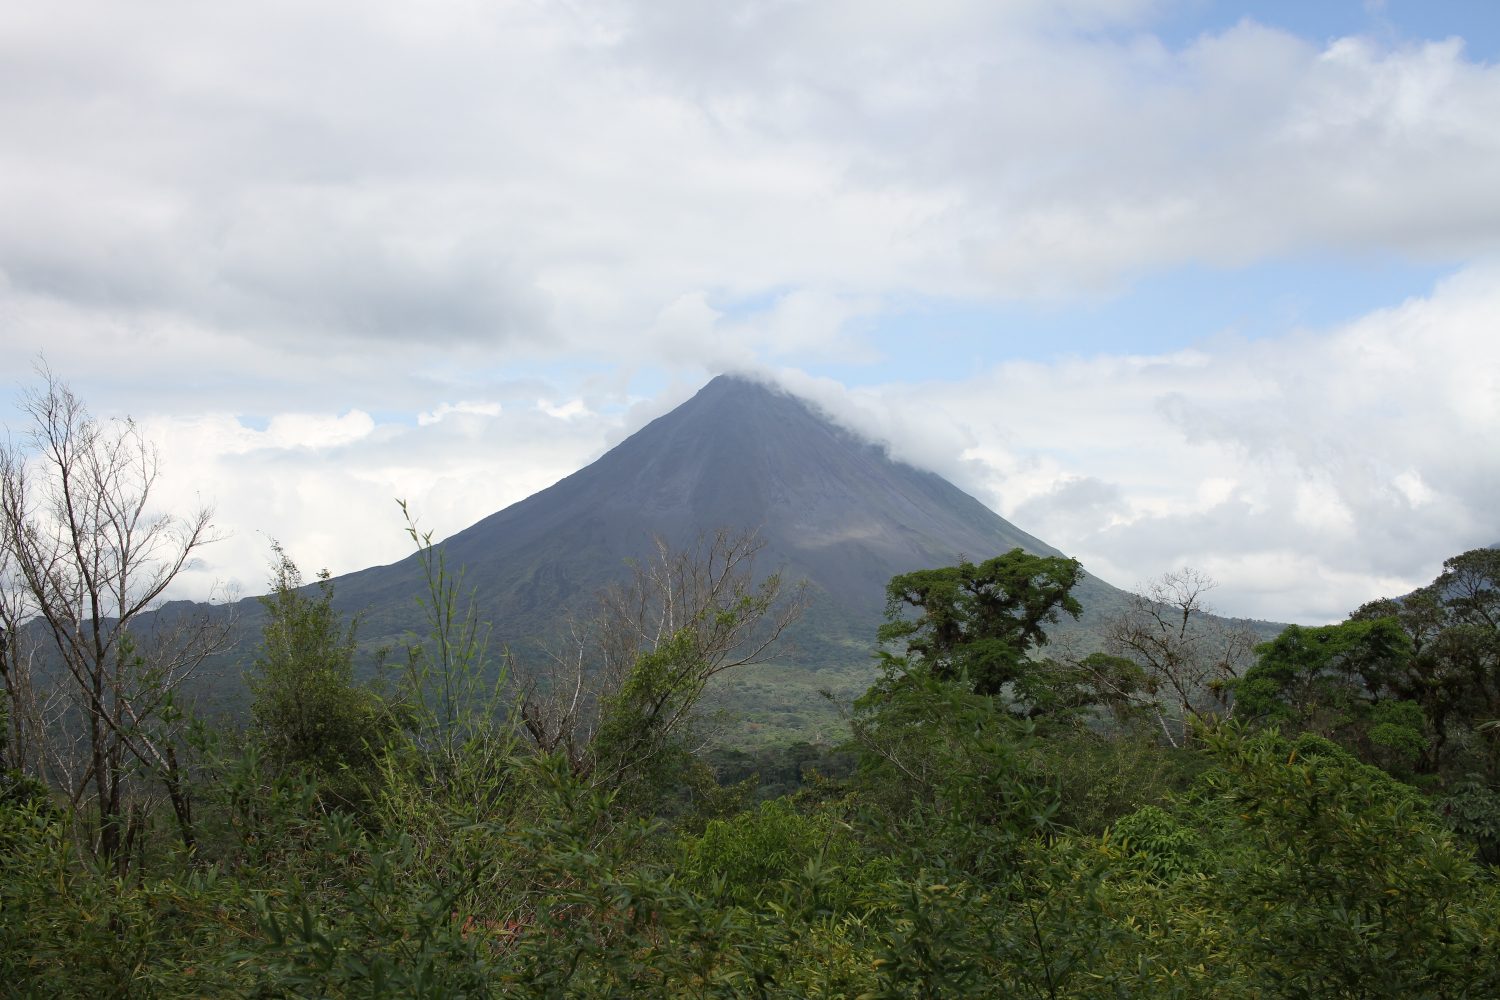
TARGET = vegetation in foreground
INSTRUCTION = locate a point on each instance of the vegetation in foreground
(1184, 816)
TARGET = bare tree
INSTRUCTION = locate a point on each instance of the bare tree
(89, 556)
(1191, 658)
(620, 689)
(26, 700)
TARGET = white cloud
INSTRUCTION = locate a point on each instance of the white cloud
(1410, 484)
(570, 410)
(1356, 459)
(462, 407)
(331, 220)
(314, 431)
(540, 179)
(325, 485)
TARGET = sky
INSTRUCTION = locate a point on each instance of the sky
(1166, 283)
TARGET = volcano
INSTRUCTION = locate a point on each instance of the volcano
(831, 508)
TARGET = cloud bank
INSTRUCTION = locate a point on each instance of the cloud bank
(333, 253)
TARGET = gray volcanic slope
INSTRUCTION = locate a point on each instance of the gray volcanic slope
(832, 509)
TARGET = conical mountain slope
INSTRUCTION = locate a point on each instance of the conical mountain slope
(832, 509)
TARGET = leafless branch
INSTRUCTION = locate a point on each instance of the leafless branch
(698, 612)
(1190, 657)
(87, 555)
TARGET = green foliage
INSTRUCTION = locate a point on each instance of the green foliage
(1291, 870)
(1162, 846)
(1408, 683)
(1470, 585)
(1324, 678)
(1345, 682)
(775, 771)
(1396, 735)
(622, 707)
(1115, 683)
(17, 789)
(307, 710)
(383, 931)
(1354, 888)
(451, 689)
(638, 749)
(72, 928)
(948, 768)
(1472, 809)
(974, 852)
(1102, 775)
(977, 623)
(750, 858)
(1453, 674)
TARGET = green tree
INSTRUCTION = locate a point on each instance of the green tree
(1307, 673)
(1470, 585)
(977, 624)
(307, 710)
(1339, 681)
(1453, 625)
(954, 771)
